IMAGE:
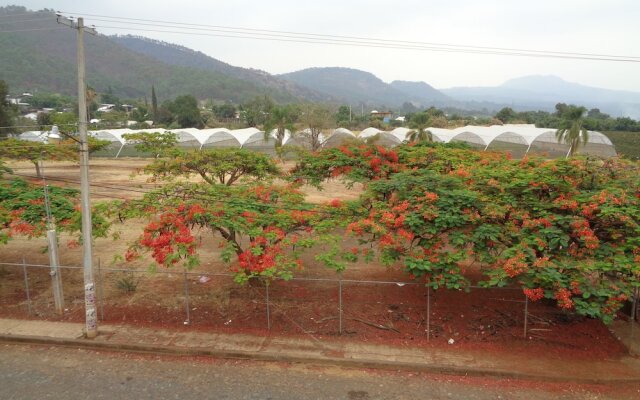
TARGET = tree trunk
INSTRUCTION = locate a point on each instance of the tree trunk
(38, 172)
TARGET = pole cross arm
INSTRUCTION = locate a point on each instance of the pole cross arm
(69, 21)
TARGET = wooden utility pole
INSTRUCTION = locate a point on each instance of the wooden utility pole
(91, 320)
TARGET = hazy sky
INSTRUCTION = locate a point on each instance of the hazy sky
(582, 26)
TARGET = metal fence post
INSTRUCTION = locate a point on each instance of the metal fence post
(634, 306)
(428, 313)
(268, 310)
(186, 299)
(101, 283)
(26, 285)
(526, 315)
(340, 305)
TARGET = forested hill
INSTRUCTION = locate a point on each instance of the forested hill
(174, 54)
(41, 55)
(352, 85)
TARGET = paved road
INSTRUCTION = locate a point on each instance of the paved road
(61, 373)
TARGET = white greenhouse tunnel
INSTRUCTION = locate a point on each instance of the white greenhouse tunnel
(518, 139)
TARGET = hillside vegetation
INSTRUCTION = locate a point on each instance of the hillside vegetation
(44, 60)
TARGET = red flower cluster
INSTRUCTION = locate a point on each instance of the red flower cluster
(260, 256)
(585, 233)
(563, 296)
(515, 265)
(566, 203)
(534, 294)
(166, 236)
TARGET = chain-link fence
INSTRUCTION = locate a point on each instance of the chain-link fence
(368, 309)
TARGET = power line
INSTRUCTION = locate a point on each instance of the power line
(21, 14)
(222, 27)
(384, 46)
(47, 18)
(263, 34)
(106, 196)
(33, 30)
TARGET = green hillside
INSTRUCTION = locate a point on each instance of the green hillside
(45, 60)
(173, 54)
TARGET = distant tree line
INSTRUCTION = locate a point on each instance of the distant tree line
(186, 111)
(595, 120)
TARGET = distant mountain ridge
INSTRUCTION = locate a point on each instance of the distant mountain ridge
(543, 92)
(421, 91)
(356, 86)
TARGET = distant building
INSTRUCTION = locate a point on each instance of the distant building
(385, 116)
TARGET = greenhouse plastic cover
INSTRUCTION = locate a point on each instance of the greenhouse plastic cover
(515, 135)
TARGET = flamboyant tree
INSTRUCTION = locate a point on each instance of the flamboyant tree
(35, 152)
(262, 227)
(152, 142)
(224, 165)
(23, 212)
(565, 230)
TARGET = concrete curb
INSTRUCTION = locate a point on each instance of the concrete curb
(310, 359)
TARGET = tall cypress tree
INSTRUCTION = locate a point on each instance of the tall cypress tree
(154, 103)
(7, 111)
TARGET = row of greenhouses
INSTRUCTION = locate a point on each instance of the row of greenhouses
(517, 139)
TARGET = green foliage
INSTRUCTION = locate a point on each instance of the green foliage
(419, 123)
(7, 111)
(127, 282)
(281, 119)
(571, 130)
(566, 230)
(152, 142)
(224, 111)
(343, 116)
(262, 228)
(109, 98)
(154, 103)
(256, 111)
(22, 211)
(507, 115)
(314, 119)
(22, 150)
(67, 122)
(185, 111)
(56, 101)
(627, 144)
(224, 166)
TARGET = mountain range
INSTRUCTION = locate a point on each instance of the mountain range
(543, 92)
(43, 58)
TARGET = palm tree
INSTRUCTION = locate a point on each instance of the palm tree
(571, 130)
(419, 123)
(281, 119)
